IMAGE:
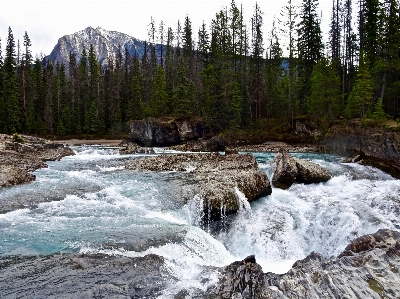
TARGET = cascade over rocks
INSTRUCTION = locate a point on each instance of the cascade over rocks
(216, 177)
(289, 169)
(166, 131)
(17, 159)
(370, 271)
(368, 268)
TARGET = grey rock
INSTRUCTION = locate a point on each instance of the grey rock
(165, 131)
(134, 148)
(310, 173)
(17, 159)
(289, 170)
(215, 178)
(286, 170)
(84, 276)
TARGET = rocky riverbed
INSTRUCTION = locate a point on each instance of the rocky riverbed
(368, 268)
(222, 182)
(19, 158)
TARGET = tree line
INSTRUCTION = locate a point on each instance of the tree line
(233, 75)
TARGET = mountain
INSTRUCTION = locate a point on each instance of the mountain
(105, 44)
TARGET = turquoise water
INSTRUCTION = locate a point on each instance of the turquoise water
(93, 204)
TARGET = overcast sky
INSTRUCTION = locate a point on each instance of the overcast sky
(47, 21)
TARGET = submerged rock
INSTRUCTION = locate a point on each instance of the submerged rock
(17, 159)
(289, 169)
(217, 179)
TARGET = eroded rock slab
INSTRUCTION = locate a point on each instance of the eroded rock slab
(289, 170)
(18, 159)
(218, 179)
(84, 276)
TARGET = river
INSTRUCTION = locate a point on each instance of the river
(92, 204)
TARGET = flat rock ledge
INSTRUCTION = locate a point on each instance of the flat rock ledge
(289, 170)
(220, 181)
(17, 159)
(368, 268)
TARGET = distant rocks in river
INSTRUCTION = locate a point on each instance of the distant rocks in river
(21, 155)
(218, 179)
(166, 131)
(289, 170)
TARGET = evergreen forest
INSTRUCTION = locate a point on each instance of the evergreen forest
(230, 73)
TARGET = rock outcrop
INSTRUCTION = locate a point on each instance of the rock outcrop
(289, 169)
(368, 268)
(217, 178)
(377, 147)
(84, 276)
(134, 148)
(17, 159)
(166, 131)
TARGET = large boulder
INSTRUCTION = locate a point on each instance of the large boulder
(289, 170)
(242, 279)
(220, 181)
(165, 131)
(286, 170)
(310, 173)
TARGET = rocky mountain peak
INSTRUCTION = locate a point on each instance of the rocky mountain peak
(106, 45)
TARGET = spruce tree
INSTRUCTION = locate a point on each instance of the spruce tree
(309, 46)
(10, 92)
(135, 107)
(159, 98)
(324, 103)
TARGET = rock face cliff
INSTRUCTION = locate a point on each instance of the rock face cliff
(376, 147)
(166, 131)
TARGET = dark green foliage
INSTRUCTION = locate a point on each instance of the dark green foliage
(309, 47)
(234, 77)
(159, 98)
(324, 103)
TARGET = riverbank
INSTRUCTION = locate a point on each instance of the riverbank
(105, 142)
(20, 155)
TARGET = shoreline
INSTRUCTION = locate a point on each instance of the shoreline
(69, 142)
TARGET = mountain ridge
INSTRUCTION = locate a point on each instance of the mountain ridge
(105, 44)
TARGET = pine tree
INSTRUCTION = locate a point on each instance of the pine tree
(257, 59)
(159, 98)
(324, 104)
(310, 48)
(135, 107)
(360, 100)
(84, 87)
(10, 91)
(288, 26)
